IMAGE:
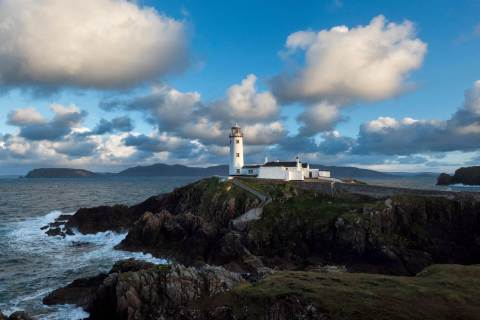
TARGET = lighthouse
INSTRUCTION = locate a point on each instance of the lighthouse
(236, 151)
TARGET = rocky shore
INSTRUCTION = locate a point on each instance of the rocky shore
(466, 176)
(217, 268)
(18, 315)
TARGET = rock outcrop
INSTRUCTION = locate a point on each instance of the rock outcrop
(466, 175)
(300, 228)
(400, 236)
(206, 198)
(18, 315)
(137, 290)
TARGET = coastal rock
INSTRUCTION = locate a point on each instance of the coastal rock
(400, 237)
(103, 218)
(139, 290)
(80, 292)
(159, 292)
(18, 315)
(185, 236)
(206, 198)
(465, 175)
(444, 179)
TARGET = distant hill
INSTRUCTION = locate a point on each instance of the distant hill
(349, 172)
(176, 170)
(60, 173)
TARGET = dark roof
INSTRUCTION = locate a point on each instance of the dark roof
(252, 166)
(283, 164)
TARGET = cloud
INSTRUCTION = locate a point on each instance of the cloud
(164, 106)
(34, 127)
(185, 115)
(76, 147)
(118, 124)
(156, 142)
(26, 116)
(366, 63)
(244, 104)
(319, 118)
(98, 44)
(391, 136)
(264, 133)
(334, 143)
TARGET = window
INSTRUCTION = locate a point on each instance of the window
(238, 155)
(250, 171)
(237, 141)
(238, 170)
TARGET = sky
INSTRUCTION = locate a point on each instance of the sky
(107, 84)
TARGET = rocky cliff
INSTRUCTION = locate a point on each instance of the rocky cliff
(137, 290)
(214, 203)
(397, 235)
(467, 176)
(278, 266)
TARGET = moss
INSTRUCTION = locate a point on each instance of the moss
(164, 268)
(440, 292)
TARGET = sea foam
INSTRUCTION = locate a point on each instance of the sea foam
(52, 262)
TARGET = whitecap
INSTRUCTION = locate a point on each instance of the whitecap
(52, 262)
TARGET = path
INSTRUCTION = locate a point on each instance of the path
(254, 213)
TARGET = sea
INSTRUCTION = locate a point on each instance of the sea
(33, 264)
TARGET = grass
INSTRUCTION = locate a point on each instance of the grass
(440, 292)
(289, 222)
(222, 201)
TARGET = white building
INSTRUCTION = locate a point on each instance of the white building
(282, 170)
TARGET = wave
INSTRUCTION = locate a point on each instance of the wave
(461, 185)
(38, 263)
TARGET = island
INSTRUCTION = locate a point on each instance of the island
(60, 173)
(465, 175)
(247, 248)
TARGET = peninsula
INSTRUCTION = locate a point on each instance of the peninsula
(249, 248)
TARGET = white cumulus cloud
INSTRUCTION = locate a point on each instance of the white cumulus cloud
(367, 63)
(87, 43)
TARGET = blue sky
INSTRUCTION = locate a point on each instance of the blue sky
(216, 45)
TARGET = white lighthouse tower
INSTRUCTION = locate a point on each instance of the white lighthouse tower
(236, 151)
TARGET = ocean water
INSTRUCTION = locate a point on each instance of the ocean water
(418, 182)
(33, 264)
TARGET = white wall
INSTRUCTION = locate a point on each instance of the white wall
(295, 174)
(324, 174)
(280, 173)
(273, 173)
